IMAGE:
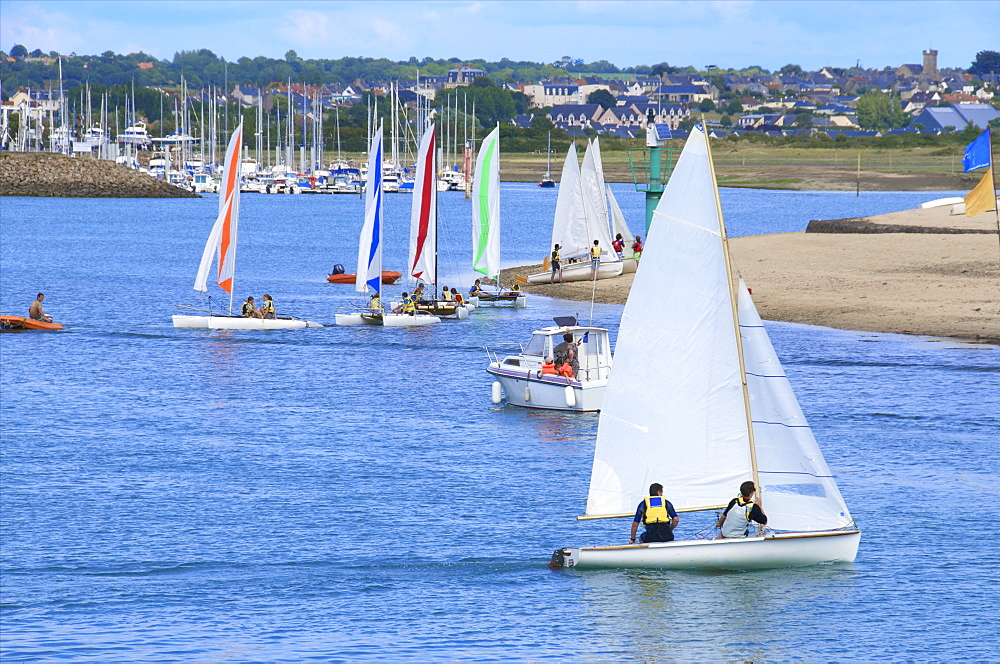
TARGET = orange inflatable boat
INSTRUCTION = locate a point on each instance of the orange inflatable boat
(24, 323)
(387, 278)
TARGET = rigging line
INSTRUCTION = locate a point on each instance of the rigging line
(683, 222)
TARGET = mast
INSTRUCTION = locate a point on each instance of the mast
(736, 319)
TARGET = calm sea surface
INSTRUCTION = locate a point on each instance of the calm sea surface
(352, 493)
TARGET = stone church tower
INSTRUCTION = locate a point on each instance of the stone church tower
(930, 63)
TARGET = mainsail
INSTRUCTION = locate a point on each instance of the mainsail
(595, 208)
(569, 225)
(370, 243)
(674, 410)
(222, 238)
(486, 208)
(423, 214)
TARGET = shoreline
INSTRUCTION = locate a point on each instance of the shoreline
(926, 272)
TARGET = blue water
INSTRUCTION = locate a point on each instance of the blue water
(352, 493)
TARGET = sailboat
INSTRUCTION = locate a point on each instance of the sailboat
(486, 224)
(369, 274)
(698, 402)
(423, 259)
(620, 227)
(581, 217)
(547, 182)
(222, 244)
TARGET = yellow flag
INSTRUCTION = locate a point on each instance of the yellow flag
(982, 198)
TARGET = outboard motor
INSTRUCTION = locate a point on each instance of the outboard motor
(338, 269)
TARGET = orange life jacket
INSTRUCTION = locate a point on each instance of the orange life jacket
(566, 370)
(549, 368)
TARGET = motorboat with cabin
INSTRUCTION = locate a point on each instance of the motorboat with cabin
(523, 378)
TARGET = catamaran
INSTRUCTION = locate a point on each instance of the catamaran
(486, 225)
(222, 243)
(369, 274)
(581, 217)
(423, 259)
(699, 402)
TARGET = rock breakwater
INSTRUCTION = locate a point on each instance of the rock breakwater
(56, 175)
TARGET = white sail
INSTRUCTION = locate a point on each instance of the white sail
(674, 410)
(798, 492)
(594, 206)
(486, 208)
(569, 225)
(618, 223)
(370, 243)
(423, 213)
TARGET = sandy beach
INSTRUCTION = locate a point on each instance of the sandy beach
(924, 272)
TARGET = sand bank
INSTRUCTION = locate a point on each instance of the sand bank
(912, 282)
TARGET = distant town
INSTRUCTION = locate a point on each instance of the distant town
(110, 105)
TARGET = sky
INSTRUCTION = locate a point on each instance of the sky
(726, 33)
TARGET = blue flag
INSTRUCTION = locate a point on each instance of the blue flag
(586, 337)
(977, 153)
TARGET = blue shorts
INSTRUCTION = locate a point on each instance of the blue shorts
(595, 263)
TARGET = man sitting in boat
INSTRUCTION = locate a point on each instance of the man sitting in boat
(267, 307)
(475, 289)
(36, 311)
(742, 510)
(457, 297)
(515, 289)
(446, 295)
(657, 514)
(375, 303)
(249, 310)
(408, 306)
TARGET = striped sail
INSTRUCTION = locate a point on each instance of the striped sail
(222, 239)
(423, 214)
(370, 243)
(486, 208)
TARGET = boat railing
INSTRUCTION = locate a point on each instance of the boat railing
(494, 357)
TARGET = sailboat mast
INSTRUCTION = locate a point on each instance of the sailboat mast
(733, 299)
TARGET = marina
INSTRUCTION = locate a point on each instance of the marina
(209, 494)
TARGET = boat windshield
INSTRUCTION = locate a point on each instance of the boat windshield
(539, 345)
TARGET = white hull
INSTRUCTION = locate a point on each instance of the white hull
(629, 265)
(579, 272)
(549, 392)
(386, 320)
(784, 550)
(516, 301)
(241, 323)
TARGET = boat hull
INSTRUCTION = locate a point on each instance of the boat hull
(629, 265)
(385, 320)
(772, 552)
(548, 392)
(518, 301)
(579, 272)
(388, 277)
(25, 323)
(240, 323)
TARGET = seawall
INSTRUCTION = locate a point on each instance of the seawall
(56, 175)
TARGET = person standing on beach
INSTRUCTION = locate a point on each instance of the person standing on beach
(556, 264)
(36, 311)
(637, 248)
(595, 259)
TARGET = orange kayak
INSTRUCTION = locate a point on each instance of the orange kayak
(388, 277)
(25, 323)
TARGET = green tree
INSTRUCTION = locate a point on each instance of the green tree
(986, 62)
(791, 70)
(726, 121)
(734, 107)
(706, 105)
(602, 97)
(879, 111)
(18, 52)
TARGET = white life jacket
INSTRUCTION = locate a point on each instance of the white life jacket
(737, 523)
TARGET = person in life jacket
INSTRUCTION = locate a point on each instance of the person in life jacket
(267, 307)
(637, 248)
(595, 259)
(657, 514)
(618, 245)
(741, 512)
(475, 289)
(549, 367)
(446, 295)
(566, 369)
(556, 264)
(375, 303)
(249, 310)
(457, 296)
